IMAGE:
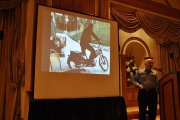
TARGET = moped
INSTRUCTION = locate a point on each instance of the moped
(77, 59)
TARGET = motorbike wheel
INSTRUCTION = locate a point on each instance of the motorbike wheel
(71, 64)
(103, 63)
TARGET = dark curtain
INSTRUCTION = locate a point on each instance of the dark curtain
(12, 65)
(108, 108)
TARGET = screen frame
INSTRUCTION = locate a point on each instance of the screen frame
(117, 91)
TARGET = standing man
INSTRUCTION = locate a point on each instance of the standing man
(147, 82)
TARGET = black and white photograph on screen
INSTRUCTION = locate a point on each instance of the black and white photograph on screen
(79, 45)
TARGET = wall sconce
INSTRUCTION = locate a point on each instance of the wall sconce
(171, 55)
(1, 34)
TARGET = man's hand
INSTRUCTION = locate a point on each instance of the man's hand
(140, 86)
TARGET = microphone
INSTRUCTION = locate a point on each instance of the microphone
(158, 69)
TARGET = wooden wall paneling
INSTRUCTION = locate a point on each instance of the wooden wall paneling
(81, 6)
(9, 4)
(41, 2)
(92, 7)
(84, 6)
(56, 3)
(104, 8)
(64, 4)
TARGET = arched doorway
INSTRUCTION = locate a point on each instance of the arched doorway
(137, 48)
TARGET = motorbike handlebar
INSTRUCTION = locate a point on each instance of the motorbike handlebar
(98, 41)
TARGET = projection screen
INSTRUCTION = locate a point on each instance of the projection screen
(76, 55)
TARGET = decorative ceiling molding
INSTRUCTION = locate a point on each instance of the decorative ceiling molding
(150, 7)
(10, 4)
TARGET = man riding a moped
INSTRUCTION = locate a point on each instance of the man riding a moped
(80, 59)
(85, 41)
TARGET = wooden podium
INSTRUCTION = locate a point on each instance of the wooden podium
(169, 96)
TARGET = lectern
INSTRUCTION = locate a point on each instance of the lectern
(169, 96)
